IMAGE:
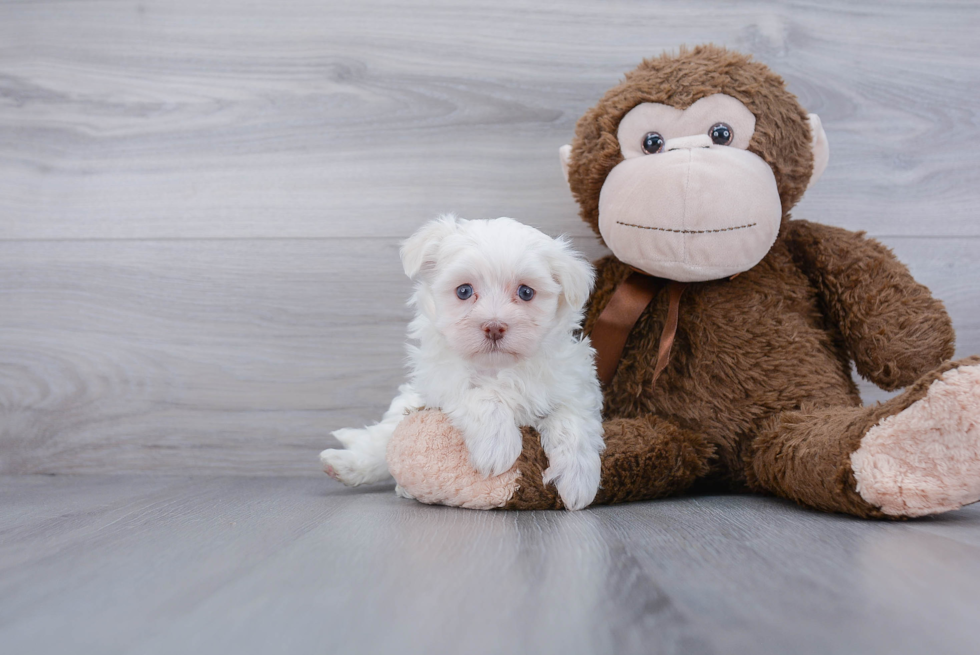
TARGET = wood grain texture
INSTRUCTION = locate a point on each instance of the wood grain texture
(236, 356)
(307, 118)
(160, 564)
(200, 204)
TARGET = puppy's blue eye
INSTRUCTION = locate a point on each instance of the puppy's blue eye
(525, 292)
(464, 291)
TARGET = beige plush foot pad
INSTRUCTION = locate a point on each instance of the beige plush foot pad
(429, 461)
(926, 459)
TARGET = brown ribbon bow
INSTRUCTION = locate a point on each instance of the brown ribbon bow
(617, 319)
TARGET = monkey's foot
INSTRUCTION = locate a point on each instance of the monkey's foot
(925, 459)
(430, 462)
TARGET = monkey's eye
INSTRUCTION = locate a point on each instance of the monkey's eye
(653, 143)
(464, 291)
(721, 134)
(525, 292)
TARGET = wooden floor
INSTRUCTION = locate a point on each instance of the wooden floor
(159, 564)
(200, 210)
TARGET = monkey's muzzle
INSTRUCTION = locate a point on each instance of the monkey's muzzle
(691, 214)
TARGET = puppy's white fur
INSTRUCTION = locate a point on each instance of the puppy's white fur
(537, 373)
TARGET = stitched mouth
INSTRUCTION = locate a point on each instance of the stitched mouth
(667, 229)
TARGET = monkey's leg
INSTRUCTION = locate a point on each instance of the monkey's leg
(914, 455)
(644, 458)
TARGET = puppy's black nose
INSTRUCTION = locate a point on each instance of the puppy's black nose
(494, 330)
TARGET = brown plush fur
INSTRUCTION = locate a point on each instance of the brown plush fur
(758, 391)
(892, 326)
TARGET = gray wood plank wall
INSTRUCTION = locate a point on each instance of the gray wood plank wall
(200, 203)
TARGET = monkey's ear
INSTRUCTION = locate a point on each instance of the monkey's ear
(820, 147)
(418, 252)
(565, 155)
(573, 272)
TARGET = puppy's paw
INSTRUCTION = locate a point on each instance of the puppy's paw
(350, 436)
(576, 478)
(348, 466)
(495, 451)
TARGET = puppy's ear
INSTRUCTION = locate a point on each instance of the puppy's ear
(418, 252)
(565, 157)
(573, 272)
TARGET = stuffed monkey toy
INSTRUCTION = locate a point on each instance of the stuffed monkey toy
(725, 331)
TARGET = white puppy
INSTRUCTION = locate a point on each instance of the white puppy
(497, 307)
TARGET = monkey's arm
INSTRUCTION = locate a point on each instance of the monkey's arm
(893, 328)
